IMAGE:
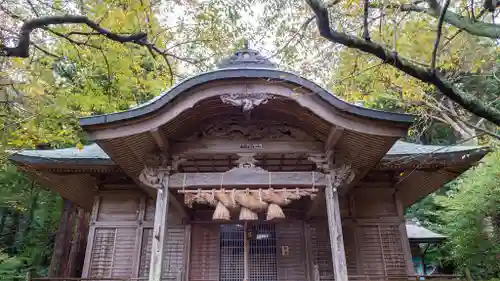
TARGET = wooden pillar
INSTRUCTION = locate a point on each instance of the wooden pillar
(159, 230)
(335, 230)
(405, 242)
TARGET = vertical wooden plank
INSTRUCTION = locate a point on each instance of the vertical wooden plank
(245, 254)
(405, 243)
(114, 254)
(335, 231)
(138, 236)
(159, 231)
(187, 252)
(90, 238)
(382, 249)
(308, 250)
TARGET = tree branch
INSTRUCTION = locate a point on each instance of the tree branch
(22, 48)
(366, 32)
(464, 99)
(471, 26)
(438, 35)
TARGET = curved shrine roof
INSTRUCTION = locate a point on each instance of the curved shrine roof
(244, 63)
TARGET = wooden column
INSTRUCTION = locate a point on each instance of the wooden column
(404, 237)
(335, 230)
(159, 230)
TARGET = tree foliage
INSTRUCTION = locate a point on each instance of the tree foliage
(470, 212)
(28, 217)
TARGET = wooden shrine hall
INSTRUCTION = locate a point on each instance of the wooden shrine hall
(247, 173)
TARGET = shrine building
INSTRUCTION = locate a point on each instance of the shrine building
(247, 173)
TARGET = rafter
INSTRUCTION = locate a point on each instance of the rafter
(161, 141)
(333, 137)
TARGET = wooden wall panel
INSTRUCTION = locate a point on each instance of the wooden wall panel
(173, 255)
(350, 248)
(124, 252)
(322, 266)
(381, 249)
(150, 210)
(394, 256)
(204, 253)
(119, 206)
(291, 267)
(370, 249)
(145, 257)
(374, 202)
(101, 259)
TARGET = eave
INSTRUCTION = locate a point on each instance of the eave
(422, 176)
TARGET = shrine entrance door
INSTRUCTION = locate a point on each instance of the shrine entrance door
(248, 252)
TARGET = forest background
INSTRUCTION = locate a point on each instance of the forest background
(439, 60)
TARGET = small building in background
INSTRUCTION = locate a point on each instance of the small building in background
(421, 239)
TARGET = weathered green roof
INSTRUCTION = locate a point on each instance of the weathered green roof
(93, 153)
(420, 234)
(405, 148)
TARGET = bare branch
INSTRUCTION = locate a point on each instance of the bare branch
(45, 51)
(438, 35)
(366, 32)
(22, 49)
(474, 27)
(472, 13)
(423, 74)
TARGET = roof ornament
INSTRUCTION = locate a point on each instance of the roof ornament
(247, 101)
(246, 57)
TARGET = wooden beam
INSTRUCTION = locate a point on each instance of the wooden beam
(184, 149)
(242, 178)
(159, 231)
(336, 237)
(160, 139)
(333, 137)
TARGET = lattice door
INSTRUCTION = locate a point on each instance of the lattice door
(248, 252)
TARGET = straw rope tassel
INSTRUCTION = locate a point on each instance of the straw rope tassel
(221, 211)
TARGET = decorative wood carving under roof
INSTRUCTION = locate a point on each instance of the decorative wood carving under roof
(237, 129)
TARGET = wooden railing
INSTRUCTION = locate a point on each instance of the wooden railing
(85, 279)
(436, 277)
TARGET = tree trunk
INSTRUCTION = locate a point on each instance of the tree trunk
(3, 215)
(78, 245)
(10, 237)
(59, 257)
(27, 223)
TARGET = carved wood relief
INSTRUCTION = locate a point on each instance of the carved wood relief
(247, 101)
(234, 129)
